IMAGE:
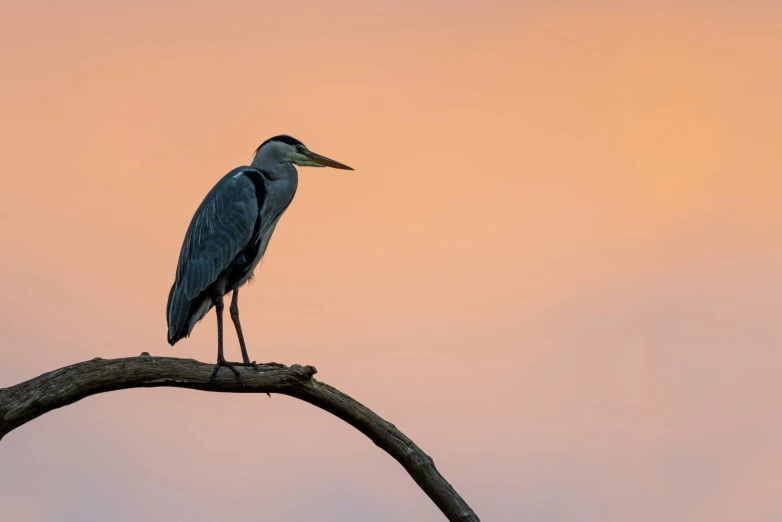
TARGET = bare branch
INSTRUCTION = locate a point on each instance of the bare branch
(24, 402)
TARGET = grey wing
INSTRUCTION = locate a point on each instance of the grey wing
(221, 229)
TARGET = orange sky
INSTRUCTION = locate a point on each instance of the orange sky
(556, 266)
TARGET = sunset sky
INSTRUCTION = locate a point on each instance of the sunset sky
(556, 267)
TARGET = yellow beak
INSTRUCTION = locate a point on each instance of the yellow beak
(326, 162)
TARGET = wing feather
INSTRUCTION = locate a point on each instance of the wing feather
(221, 228)
(219, 231)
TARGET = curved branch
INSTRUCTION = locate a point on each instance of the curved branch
(24, 402)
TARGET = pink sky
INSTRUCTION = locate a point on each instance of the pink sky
(556, 267)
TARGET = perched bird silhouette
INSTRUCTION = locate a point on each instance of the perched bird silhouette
(228, 236)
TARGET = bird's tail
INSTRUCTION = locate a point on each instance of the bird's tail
(177, 312)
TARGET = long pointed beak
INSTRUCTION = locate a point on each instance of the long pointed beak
(326, 162)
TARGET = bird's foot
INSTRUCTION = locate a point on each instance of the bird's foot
(247, 363)
(257, 366)
(232, 366)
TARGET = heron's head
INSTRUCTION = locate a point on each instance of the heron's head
(286, 149)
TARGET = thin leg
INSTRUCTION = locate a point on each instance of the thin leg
(235, 318)
(219, 312)
(220, 359)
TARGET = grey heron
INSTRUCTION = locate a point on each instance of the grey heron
(228, 236)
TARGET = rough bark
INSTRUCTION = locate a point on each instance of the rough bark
(24, 402)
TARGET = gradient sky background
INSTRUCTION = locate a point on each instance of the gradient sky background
(556, 267)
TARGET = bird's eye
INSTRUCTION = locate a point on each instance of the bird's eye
(300, 148)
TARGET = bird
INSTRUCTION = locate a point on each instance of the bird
(228, 235)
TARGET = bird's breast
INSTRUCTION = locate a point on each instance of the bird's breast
(274, 197)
